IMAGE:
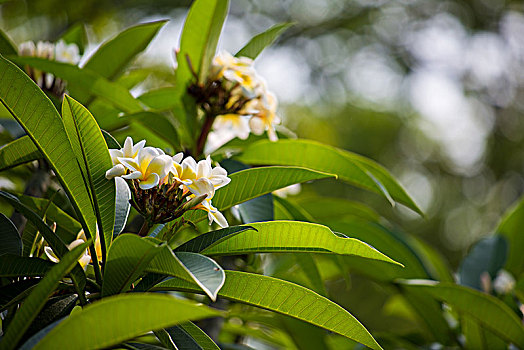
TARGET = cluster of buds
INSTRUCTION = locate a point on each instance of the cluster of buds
(61, 52)
(163, 187)
(238, 97)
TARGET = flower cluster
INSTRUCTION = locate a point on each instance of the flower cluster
(61, 52)
(238, 96)
(165, 186)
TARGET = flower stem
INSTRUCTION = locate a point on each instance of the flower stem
(145, 228)
(206, 128)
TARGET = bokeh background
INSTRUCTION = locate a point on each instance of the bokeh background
(433, 90)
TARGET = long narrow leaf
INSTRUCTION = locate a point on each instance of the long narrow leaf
(489, 311)
(350, 167)
(210, 239)
(87, 81)
(260, 41)
(7, 47)
(91, 151)
(37, 115)
(293, 236)
(17, 152)
(36, 300)
(286, 298)
(131, 315)
(10, 241)
(17, 266)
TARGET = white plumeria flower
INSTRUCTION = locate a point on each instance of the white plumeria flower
(265, 117)
(150, 167)
(504, 282)
(234, 125)
(191, 170)
(67, 53)
(237, 70)
(27, 48)
(80, 239)
(128, 151)
(204, 186)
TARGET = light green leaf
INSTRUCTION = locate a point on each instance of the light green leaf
(286, 298)
(210, 239)
(10, 241)
(490, 312)
(7, 47)
(114, 55)
(197, 44)
(37, 115)
(324, 209)
(293, 236)
(38, 297)
(91, 152)
(478, 337)
(16, 266)
(260, 41)
(159, 99)
(350, 167)
(17, 152)
(295, 211)
(254, 182)
(87, 82)
(131, 315)
(76, 34)
(389, 242)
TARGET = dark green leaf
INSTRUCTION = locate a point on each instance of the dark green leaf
(16, 266)
(188, 336)
(488, 255)
(36, 300)
(7, 47)
(260, 41)
(10, 241)
(510, 226)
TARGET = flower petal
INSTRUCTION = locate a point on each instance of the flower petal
(151, 181)
(117, 170)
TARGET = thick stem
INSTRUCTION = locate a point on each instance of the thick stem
(202, 138)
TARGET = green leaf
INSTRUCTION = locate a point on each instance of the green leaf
(76, 34)
(16, 266)
(131, 315)
(257, 209)
(260, 41)
(350, 167)
(490, 312)
(487, 255)
(110, 140)
(255, 182)
(324, 209)
(286, 298)
(87, 82)
(17, 152)
(91, 152)
(191, 267)
(127, 258)
(510, 227)
(58, 246)
(38, 297)
(114, 55)
(44, 126)
(10, 241)
(7, 47)
(159, 99)
(389, 242)
(15, 292)
(188, 336)
(198, 44)
(210, 239)
(478, 337)
(309, 266)
(122, 205)
(295, 211)
(293, 236)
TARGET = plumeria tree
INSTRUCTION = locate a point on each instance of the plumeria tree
(143, 216)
